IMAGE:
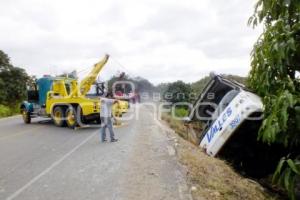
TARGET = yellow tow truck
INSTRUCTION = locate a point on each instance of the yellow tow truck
(64, 100)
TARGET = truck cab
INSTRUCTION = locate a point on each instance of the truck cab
(43, 94)
(35, 104)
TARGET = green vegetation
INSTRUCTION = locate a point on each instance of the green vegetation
(6, 111)
(177, 92)
(161, 88)
(176, 125)
(181, 112)
(198, 86)
(275, 77)
(12, 86)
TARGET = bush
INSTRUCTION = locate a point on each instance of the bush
(177, 92)
(275, 77)
(181, 112)
(6, 111)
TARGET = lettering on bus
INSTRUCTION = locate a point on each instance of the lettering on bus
(217, 126)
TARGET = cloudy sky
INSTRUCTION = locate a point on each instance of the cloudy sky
(161, 40)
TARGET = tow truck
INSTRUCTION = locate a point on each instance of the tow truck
(64, 100)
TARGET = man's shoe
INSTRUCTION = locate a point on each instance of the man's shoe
(104, 140)
(114, 140)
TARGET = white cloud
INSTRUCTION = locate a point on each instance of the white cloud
(159, 40)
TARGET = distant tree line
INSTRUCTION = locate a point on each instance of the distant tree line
(180, 91)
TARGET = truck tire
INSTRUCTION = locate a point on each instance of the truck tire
(59, 116)
(71, 118)
(26, 116)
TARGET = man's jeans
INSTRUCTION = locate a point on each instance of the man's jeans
(106, 122)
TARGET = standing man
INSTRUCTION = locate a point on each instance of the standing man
(106, 117)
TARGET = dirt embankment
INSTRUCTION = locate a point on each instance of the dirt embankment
(212, 178)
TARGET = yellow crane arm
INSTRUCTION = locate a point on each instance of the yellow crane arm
(89, 80)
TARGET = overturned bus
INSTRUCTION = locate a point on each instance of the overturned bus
(230, 117)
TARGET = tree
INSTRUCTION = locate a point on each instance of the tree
(4, 61)
(198, 86)
(12, 82)
(178, 92)
(161, 88)
(275, 62)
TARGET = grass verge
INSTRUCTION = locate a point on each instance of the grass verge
(6, 111)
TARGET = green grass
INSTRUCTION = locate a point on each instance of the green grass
(6, 111)
(176, 125)
(181, 112)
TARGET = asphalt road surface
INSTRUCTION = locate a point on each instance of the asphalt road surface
(41, 161)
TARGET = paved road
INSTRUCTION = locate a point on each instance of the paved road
(41, 161)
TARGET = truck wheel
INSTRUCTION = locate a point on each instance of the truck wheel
(71, 118)
(58, 116)
(26, 116)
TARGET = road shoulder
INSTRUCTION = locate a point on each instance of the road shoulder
(212, 178)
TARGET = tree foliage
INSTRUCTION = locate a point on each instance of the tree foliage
(178, 92)
(12, 82)
(198, 86)
(161, 88)
(4, 61)
(275, 76)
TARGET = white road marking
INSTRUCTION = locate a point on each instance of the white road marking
(36, 178)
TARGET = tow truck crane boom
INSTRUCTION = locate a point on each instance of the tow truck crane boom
(89, 80)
